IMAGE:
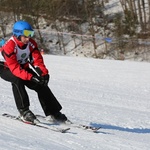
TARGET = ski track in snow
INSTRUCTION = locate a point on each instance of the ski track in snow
(112, 94)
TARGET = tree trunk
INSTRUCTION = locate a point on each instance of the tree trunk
(140, 14)
(144, 14)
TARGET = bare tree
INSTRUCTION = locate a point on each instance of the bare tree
(137, 11)
(149, 14)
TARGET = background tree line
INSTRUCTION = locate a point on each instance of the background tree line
(136, 13)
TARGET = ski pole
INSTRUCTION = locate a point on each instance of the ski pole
(33, 68)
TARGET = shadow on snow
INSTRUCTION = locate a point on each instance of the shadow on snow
(125, 129)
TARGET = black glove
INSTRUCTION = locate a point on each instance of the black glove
(45, 79)
(38, 70)
(37, 80)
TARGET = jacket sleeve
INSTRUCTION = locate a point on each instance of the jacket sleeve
(12, 63)
(38, 60)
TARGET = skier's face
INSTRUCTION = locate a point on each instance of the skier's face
(24, 39)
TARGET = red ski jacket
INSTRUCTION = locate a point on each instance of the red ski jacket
(17, 56)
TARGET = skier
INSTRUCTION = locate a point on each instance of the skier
(19, 52)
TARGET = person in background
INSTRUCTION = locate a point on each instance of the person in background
(42, 51)
(19, 52)
(2, 42)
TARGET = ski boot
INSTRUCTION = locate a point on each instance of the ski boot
(28, 117)
(57, 117)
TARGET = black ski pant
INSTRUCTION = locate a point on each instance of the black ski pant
(47, 99)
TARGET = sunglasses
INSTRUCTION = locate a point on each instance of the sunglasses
(28, 33)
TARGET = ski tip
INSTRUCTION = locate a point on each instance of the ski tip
(97, 129)
(4, 114)
(65, 130)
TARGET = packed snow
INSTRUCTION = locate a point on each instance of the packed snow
(112, 94)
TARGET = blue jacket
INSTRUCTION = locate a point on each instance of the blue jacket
(2, 42)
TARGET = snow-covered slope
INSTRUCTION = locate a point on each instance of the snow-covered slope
(111, 94)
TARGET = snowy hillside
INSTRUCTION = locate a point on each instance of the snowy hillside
(112, 94)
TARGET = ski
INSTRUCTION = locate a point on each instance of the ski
(40, 124)
(71, 124)
(84, 127)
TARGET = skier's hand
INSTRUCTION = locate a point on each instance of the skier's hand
(41, 80)
(45, 79)
(37, 80)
